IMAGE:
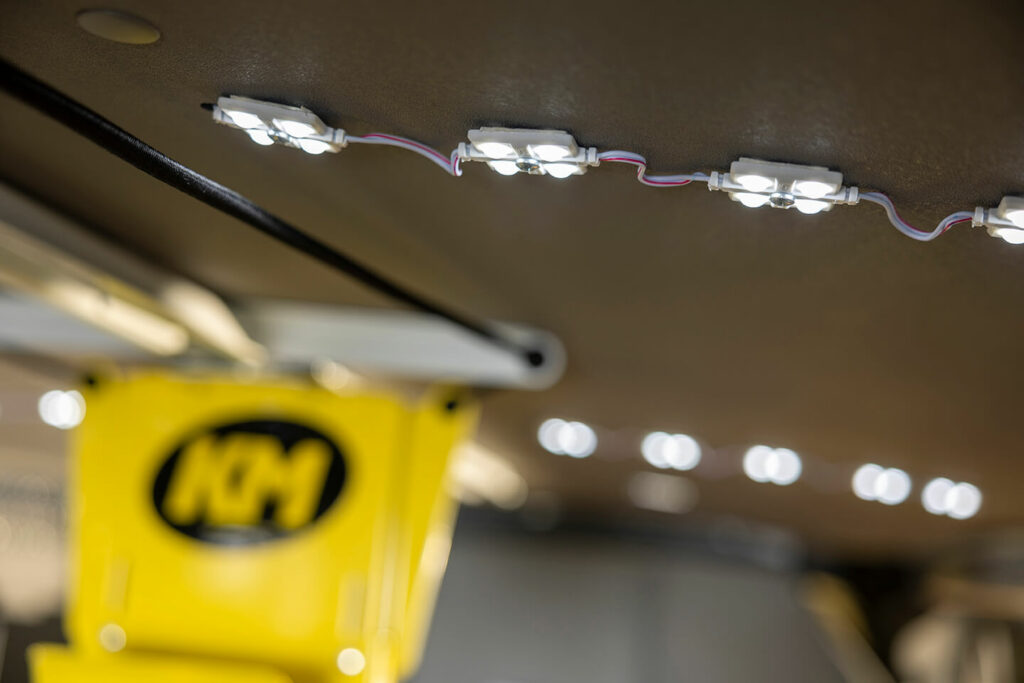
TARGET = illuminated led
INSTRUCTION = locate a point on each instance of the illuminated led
(577, 440)
(812, 188)
(864, 481)
(892, 486)
(547, 435)
(314, 146)
(62, 409)
(749, 200)
(561, 170)
(783, 466)
(935, 494)
(956, 500)
(295, 129)
(526, 150)
(260, 137)
(809, 189)
(548, 152)
(678, 451)
(561, 437)
(496, 150)
(243, 119)
(1011, 235)
(754, 463)
(351, 661)
(268, 123)
(1016, 217)
(568, 439)
(963, 501)
(755, 183)
(504, 167)
(810, 206)
(779, 466)
(651, 449)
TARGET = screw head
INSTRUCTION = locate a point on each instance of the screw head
(781, 200)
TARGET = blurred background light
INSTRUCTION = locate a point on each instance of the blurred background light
(662, 492)
(332, 375)
(960, 500)
(113, 638)
(62, 409)
(933, 497)
(562, 437)
(889, 486)
(480, 475)
(864, 481)
(676, 451)
(351, 661)
(765, 464)
(964, 501)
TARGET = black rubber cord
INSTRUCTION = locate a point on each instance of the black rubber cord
(91, 125)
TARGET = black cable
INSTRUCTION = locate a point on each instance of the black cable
(120, 143)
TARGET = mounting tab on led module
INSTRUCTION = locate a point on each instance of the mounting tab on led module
(808, 189)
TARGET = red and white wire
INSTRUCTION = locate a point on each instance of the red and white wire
(622, 157)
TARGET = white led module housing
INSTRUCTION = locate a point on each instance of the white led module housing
(808, 189)
(268, 123)
(1006, 221)
(509, 151)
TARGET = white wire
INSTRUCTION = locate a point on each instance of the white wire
(450, 165)
(909, 230)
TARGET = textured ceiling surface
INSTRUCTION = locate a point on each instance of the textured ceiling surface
(832, 334)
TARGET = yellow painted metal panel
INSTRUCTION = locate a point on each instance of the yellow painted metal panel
(258, 521)
(58, 664)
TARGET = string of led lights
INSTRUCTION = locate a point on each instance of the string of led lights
(298, 128)
(509, 151)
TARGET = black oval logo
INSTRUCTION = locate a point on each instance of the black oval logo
(250, 481)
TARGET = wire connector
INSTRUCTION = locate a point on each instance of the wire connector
(1006, 221)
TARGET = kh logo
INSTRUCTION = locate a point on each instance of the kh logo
(247, 482)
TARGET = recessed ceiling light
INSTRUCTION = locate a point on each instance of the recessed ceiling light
(118, 26)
